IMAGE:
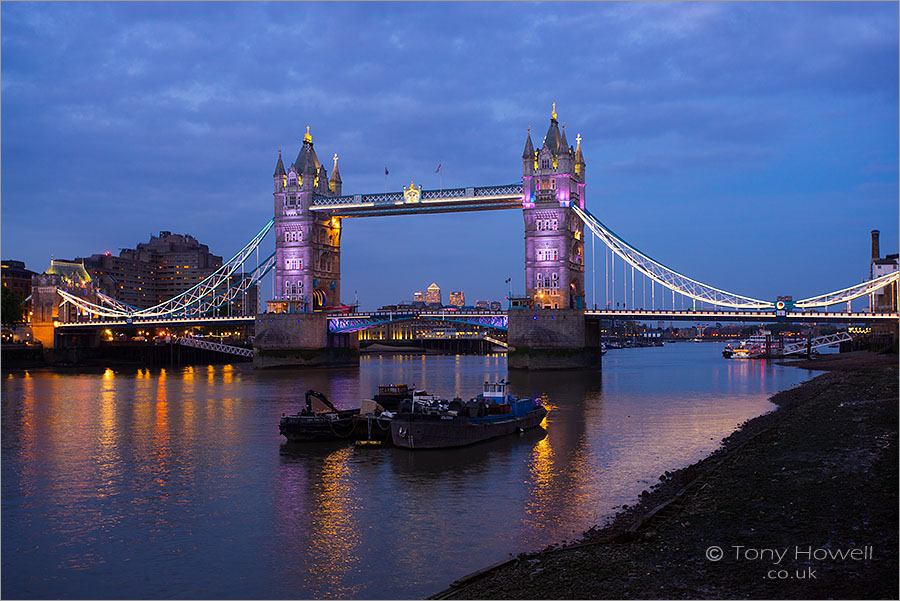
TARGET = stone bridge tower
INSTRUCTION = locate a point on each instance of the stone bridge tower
(552, 332)
(553, 179)
(307, 271)
(308, 245)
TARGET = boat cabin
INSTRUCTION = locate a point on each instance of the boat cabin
(394, 389)
(496, 392)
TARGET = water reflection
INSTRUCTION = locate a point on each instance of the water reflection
(154, 483)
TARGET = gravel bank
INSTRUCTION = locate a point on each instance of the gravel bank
(802, 502)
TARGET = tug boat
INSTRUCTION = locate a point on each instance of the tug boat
(436, 424)
(325, 422)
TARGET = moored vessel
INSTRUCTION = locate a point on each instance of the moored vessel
(325, 422)
(391, 395)
(493, 413)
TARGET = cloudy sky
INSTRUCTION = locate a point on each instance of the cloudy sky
(750, 146)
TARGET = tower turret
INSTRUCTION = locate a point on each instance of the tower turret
(528, 155)
(280, 176)
(579, 160)
(335, 183)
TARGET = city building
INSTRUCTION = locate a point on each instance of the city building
(457, 299)
(482, 304)
(419, 296)
(885, 300)
(433, 294)
(496, 306)
(16, 278)
(160, 269)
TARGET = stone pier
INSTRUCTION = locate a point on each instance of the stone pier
(301, 340)
(552, 339)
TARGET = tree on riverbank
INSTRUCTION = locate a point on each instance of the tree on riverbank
(12, 307)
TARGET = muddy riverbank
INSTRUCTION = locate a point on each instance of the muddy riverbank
(798, 503)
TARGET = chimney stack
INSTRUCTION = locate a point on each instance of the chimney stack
(876, 253)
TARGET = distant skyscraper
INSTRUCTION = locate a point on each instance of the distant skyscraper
(433, 295)
(482, 304)
(419, 297)
(457, 299)
(496, 306)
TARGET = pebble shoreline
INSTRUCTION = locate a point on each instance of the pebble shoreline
(799, 503)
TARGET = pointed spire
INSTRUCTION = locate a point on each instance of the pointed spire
(307, 163)
(279, 166)
(578, 156)
(563, 143)
(335, 174)
(551, 140)
(529, 147)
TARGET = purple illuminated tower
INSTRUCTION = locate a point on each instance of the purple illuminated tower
(307, 247)
(553, 179)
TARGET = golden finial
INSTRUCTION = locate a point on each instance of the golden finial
(411, 185)
(578, 140)
(554, 110)
(335, 159)
(529, 130)
(307, 137)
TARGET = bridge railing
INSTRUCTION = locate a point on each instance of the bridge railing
(392, 198)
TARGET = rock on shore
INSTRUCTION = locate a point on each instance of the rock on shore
(800, 503)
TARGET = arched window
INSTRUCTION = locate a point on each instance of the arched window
(540, 280)
(554, 280)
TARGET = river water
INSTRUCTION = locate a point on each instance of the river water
(175, 483)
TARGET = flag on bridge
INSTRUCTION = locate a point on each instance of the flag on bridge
(385, 171)
(438, 170)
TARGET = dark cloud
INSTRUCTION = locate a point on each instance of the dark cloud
(702, 123)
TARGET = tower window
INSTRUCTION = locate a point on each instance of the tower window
(545, 164)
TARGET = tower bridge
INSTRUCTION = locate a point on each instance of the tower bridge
(552, 327)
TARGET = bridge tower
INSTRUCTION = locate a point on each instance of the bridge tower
(308, 246)
(553, 179)
(307, 271)
(551, 333)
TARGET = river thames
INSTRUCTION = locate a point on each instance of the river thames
(175, 483)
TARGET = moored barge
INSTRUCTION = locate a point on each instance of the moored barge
(493, 413)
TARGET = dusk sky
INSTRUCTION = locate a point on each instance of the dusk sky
(750, 146)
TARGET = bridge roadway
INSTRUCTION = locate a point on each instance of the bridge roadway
(747, 316)
(354, 322)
